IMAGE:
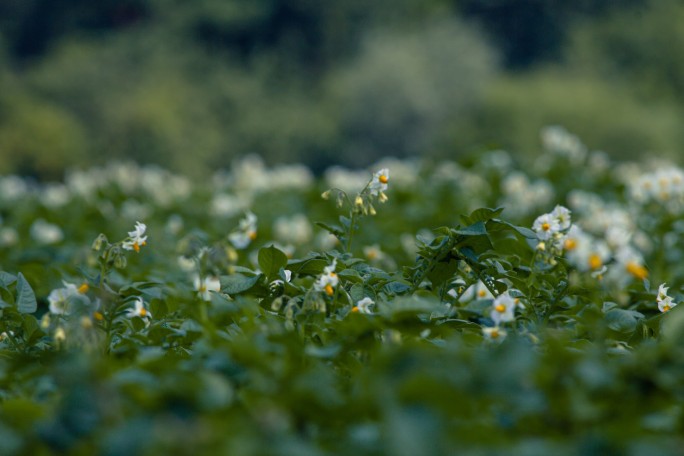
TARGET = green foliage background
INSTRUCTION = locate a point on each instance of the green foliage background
(193, 85)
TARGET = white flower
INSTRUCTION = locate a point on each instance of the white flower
(378, 184)
(288, 277)
(632, 262)
(546, 226)
(328, 280)
(476, 291)
(617, 236)
(136, 238)
(373, 252)
(363, 306)
(494, 334)
(503, 309)
(205, 286)
(139, 310)
(8, 236)
(246, 232)
(584, 252)
(46, 233)
(61, 299)
(562, 215)
(226, 205)
(295, 229)
(186, 264)
(665, 302)
(662, 292)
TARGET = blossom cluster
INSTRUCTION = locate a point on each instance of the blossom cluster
(664, 186)
(558, 236)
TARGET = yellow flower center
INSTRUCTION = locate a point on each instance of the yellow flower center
(666, 308)
(83, 289)
(546, 226)
(143, 311)
(98, 316)
(383, 179)
(570, 244)
(355, 309)
(252, 235)
(500, 308)
(637, 270)
(595, 261)
(494, 334)
(329, 290)
(136, 247)
(481, 293)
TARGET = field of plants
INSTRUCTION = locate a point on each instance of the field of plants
(415, 308)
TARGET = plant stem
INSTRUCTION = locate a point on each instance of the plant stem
(352, 221)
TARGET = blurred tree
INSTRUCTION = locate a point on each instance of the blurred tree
(32, 26)
(640, 46)
(605, 114)
(528, 32)
(397, 95)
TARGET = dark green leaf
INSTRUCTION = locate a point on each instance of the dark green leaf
(6, 279)
(481, 215)
(271, 260)
(395, 288)
(238, 283)
(350, 275)
(313, 266)
(26, 298)
(476, 229)
(621, 320)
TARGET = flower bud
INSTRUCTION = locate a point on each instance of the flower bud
(120, 262)
(97, 243)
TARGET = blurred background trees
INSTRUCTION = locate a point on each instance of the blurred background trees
(192, 85)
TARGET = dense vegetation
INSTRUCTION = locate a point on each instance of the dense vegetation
(145, 313)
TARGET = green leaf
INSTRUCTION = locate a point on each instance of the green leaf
(621, 320)
(31, 328)
(332, 229)
(26, 298)
(481, 215)
(396, 288)
(409, 307)
(350, 275)
(442, 272)
(271, 260)
(672, 324)
(476, 229)
(6, 279)
(524, 232)
(312, 266)
(238, 283)
(461, 324)
(358, 291)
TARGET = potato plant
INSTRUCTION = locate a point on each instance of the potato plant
(482, 307)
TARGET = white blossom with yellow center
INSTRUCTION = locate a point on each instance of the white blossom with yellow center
(136, 238)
